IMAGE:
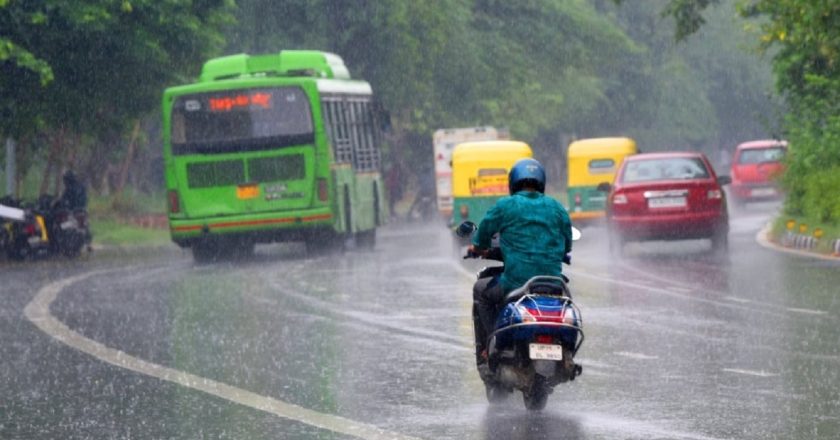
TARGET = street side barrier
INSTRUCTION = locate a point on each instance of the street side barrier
(799, 241)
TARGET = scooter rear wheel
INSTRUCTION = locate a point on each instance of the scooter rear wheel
(536, 397)
(496, 393)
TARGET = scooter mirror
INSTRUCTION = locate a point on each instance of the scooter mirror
(466, 229)
(575, 234)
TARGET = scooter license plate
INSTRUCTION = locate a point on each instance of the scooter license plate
(545, 351)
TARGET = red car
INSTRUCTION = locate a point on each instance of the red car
(755, 165)
(667, 196)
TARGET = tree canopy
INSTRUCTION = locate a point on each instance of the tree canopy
(803, 37)
(87, 68)
(548, 70)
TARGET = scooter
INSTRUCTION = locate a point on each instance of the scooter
(538, 332)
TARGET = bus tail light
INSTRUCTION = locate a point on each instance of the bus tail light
(323, 190)
(465, 212)
(577, 199)
(174, 202)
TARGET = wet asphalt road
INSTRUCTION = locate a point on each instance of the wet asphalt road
(680, 344)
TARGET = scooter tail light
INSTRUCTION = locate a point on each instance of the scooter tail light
(569, 316)
(544, 339)
(525, 314)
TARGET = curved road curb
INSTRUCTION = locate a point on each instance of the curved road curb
(763, 239)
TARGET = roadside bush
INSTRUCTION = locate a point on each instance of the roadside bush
(812, 176)
(821, 198)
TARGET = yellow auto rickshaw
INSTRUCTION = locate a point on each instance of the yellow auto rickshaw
(592, 162)
(480, 175)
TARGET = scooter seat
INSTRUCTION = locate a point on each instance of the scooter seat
(541, 285)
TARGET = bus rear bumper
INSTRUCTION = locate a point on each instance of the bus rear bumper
(265, 227)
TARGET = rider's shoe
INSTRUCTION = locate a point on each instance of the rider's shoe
(483, 366)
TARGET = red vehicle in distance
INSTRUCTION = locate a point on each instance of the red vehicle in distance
(755, 166)
(667, 196)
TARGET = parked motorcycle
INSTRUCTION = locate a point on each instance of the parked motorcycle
(24, 233)
(43, 228)
(68, 228)
(538, 332)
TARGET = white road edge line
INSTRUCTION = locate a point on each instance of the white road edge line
(38, 312)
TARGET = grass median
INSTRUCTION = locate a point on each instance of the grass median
(110, 220)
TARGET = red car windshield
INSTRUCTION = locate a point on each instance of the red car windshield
(759, 155)
(672, 168)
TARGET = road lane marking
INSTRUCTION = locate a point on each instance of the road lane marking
(38, 312)
(750, 372)
(639, 356)
(807, 311)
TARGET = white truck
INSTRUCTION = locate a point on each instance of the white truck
(445, 140)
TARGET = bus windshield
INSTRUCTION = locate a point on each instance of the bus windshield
(241, 120)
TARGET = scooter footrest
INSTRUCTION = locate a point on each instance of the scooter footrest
(577, 371)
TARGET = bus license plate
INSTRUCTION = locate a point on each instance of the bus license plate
(546, 351)
(247, 191)
(667, 202)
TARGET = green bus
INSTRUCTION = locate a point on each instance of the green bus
(277, 147)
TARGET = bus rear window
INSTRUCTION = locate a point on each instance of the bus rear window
(241, 120)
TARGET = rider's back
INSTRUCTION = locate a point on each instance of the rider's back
(535, 234)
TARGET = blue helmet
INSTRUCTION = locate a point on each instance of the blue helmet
(526, 171)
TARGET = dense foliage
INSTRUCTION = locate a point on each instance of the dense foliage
(804, 35)
(549, 70)
(78, 76)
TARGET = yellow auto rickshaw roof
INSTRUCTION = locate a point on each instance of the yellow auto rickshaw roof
(490, 151)
(602, 146)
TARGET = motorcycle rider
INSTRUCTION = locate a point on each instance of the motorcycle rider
(74, 196)
(535, 233)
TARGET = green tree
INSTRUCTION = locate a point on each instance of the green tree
(803, 35)
(108, 61)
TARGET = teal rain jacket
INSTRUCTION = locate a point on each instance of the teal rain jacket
(535, 233)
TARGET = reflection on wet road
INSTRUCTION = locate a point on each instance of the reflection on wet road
(680, 344)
